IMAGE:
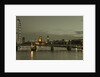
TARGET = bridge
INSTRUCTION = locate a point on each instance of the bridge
(69, 47)
(33, 47)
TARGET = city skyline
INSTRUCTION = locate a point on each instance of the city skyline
(56, 27)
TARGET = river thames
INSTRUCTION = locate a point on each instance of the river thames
(44, 53)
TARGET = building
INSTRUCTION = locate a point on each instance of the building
(47, 39)
(40, 39)
(23, 39)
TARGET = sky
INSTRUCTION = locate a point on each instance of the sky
(56, 27)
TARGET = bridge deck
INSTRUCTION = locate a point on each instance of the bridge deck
(73, 46)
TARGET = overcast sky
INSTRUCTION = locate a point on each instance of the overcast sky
(56, 27)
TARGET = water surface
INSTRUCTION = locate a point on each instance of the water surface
(44, 53)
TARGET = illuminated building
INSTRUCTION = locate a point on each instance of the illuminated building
(40, 39)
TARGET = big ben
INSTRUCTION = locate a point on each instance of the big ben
(47, 39)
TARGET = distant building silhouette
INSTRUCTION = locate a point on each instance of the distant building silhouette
(23, 39)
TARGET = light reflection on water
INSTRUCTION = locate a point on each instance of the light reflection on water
(31, 55)
(46, 54)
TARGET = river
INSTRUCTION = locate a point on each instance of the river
(44, 53)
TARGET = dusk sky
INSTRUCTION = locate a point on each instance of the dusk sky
(56, 27)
